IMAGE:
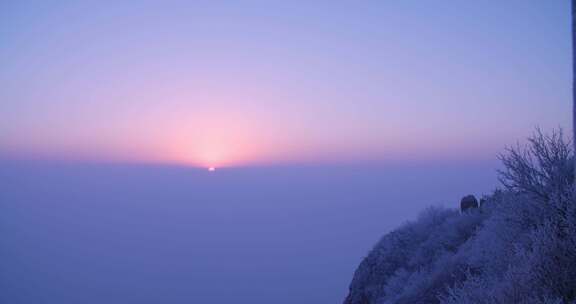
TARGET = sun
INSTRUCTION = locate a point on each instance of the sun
(211, 169)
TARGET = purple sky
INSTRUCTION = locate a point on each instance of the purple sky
(235, 83)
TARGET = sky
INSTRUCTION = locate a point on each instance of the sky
(233, 83)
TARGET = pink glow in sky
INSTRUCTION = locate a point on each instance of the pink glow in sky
(216, 84)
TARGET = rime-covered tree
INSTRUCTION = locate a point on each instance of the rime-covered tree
(519, 246)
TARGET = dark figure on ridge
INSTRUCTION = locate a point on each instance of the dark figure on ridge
(468, 202)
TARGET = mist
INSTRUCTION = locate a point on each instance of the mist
(120, 233)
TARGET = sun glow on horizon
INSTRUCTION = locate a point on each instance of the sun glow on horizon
(213, 139)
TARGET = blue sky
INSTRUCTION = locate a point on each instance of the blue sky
(232, 83)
